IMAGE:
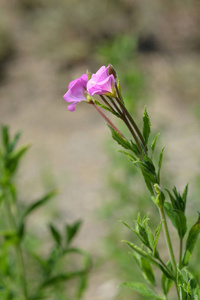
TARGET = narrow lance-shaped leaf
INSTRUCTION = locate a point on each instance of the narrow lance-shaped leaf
(160, 163)
(181, 222)
(13, 143)
(120, 140)
(128, 155)
(184, 196)
(38, 203)
(55, 234)
(15, 158)
(147, 270)
(149, 233)
(177, 218)
(166, 284)
(137, 233)
(148, 257)
(146, 126)
(71, 230)
(157, 234)
(81, 286)
(153, 145)
(5, 137)
(106, 108)
(191, 242)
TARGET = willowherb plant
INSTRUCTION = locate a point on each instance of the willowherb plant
(106, 84)
(25, 273)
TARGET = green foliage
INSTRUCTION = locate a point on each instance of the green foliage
(176, 210)
(150, 241)
(188, 286)
(166, 282)
(146, 126)
(123, 142)
(72, 230)
(153, 145)
(47, 270)
(191, 242)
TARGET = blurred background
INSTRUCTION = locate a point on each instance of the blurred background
(155, 48)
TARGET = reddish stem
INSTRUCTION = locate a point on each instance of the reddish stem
(107, 119)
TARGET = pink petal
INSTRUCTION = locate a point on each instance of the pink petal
(71, 107)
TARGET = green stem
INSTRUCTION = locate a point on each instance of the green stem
(106, 102)
(18, 250)
(120, 101)
(133, 133)
(181, 251)
(168, 240)
(165, 266)
(116, 107)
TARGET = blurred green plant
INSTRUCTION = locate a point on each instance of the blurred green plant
(26, 274)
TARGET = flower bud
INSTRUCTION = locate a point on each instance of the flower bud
(111, 70)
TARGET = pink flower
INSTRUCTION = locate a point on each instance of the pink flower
(75, 93)
(102, 83)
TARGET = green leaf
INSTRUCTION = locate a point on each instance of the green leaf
(166, 284)
(55, 234)
(147, 168)
(157, 234)
(142, 289)
(135, 148)
(160, 197)
(15, 158)
(81, 286)
(160, 163)
(149, 233)
(188, 285)
(38, 203)
(181, 222)
(13, 143)
(178, 219)
(144, 241)
(120, 140)
(148, 257)
(191, 242)
(72, 230)
(60, 278)
(147, 270)
(153, 145)
(106, 108)
(146, 126)
(130, 157)
(185, 192)
(5, 137)
(55, 256)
